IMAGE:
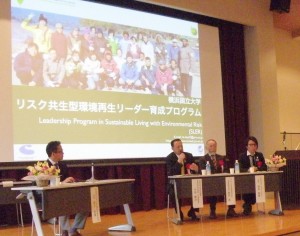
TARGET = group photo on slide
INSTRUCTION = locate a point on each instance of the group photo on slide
(52, 50)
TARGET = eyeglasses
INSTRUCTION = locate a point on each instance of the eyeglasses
(252, 144)
(60, 152)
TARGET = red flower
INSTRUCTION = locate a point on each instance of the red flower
(221, 162)
(259, 164)
(188, 166)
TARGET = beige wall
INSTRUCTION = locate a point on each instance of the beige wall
(288, 76)
(260, 60)
(5, 103)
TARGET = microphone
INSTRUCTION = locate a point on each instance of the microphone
(92, 170)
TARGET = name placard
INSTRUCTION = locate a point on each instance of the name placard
(197, 193)
(7, 183)
(260, 190)
(95, 205)
(230, 191)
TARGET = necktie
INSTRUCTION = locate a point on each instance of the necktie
(56, 165)
(182, 170)
(251, 160)
(213, 157)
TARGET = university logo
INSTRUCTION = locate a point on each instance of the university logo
(26, 149)
(194, 31)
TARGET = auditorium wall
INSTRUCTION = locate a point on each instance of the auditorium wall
(288, 77)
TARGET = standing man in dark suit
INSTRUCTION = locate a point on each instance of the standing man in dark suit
(251, 158)
(56, 154)
(218, 164)
(180, 162)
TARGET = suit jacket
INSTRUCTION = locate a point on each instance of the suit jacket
(174, 167)
(219, 158)
(64, 173)
(245, 162)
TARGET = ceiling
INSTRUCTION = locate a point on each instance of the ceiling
(289, 21)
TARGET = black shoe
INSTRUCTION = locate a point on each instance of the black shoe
(65, 233)
(191, 213)
(212, 215)
(231, 213)
(246, 213)
(75, 233)
(247, 209)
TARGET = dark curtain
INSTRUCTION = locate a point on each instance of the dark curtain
(234, 88)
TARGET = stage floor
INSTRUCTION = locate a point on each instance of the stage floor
(155, 223)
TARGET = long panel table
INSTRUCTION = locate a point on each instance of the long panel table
(71, 198)
(214, 185)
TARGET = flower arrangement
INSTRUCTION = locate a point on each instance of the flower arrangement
(276, 161)
(42, 170)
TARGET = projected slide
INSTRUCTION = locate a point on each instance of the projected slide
(107, 82)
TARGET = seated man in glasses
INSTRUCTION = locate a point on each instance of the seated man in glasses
(218, 164)
(55, 153)
(251, 158)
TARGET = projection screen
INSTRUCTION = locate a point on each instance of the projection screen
(108, 82)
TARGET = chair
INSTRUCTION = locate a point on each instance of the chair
(57, 232)
(170, 188)
(168, 207)
(19, 209)
(18, 202)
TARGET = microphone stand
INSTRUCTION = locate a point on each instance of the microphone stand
(92, 179)
(284, 133)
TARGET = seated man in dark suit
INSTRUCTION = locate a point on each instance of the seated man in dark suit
(218, 164)
(56, 154)
(251, 158)
(180, 162)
